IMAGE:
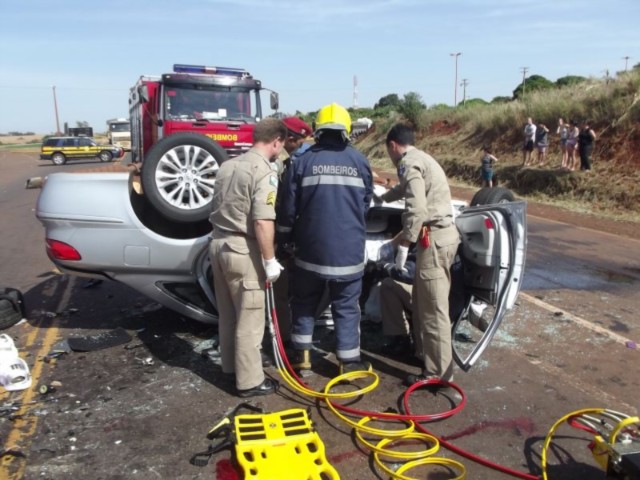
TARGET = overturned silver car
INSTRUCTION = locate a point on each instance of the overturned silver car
(100, 225)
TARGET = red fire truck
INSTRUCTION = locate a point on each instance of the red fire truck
(183, 125)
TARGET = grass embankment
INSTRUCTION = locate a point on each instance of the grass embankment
(455, 138)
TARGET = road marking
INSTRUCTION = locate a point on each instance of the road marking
(24, 427)
(579, 320)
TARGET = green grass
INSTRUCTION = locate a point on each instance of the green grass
(455, 138)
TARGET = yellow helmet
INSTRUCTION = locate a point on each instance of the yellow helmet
(333, 117)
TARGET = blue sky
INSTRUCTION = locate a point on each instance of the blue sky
(307, 50)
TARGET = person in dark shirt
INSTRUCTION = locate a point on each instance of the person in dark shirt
(586, 139)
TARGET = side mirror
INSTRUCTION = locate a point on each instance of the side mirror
(275, 101)
(143, 92)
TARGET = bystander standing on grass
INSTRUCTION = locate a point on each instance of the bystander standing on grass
(542, 143)
(572, 146)
(586, 138)
(529, 140)
(487, 167)
(563, 131)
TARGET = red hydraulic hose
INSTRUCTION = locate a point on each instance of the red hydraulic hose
(401, 417)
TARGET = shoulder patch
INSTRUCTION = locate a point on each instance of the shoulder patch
(402, 169)
(273, 180)
(271, 199)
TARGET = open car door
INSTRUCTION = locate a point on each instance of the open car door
(492, 252)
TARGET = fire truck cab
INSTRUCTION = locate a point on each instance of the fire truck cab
(183, 125)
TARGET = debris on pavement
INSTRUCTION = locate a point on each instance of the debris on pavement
(90, 343)
(92, 283)
(14, 371)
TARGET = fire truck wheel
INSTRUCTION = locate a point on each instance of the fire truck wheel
(58, 158)
(105, 156)
(178, 175)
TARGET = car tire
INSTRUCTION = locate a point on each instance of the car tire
(58, 158)
(178, 175)
(105, 156)
(499, 195)
(491, 196)
(480, 197)
(12, 308)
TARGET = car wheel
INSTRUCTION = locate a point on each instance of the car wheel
(178, 175)
(105, 156)
(58, 159)
(492, 195)
(499, 195)
(11, 307)
(480, 197)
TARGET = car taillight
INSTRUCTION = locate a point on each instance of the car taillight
(489, 223)
(62, 251)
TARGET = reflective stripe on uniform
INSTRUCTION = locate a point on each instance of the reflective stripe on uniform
(348, 354)
(332, 180)
(301, 339)
(329, 270)
(283, 229)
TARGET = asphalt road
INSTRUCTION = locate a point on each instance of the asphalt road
(141, 410)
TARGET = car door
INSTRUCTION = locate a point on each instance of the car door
(492, 254)
(70, 147)
(87, 148)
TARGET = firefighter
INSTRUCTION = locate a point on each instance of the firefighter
(427, 220)
(242, 254)
(294, 146)
(325, 198)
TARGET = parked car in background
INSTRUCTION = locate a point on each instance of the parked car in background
(101, 225)
(61, 149)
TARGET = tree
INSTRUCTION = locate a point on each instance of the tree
(533, 83)
(82, 123)
(569, 80)
(391, 100)
(474, 101)
(500, 99)
(412, 108)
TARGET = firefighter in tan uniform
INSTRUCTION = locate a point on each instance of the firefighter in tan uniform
(242, 254)
(427, 220)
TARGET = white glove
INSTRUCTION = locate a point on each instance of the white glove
(401, 256)
(272, 268)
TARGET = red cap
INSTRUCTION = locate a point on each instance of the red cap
(297, 126)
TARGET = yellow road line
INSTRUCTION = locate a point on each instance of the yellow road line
(24, 426)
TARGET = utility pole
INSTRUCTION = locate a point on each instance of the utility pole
(355, 91)
(524, 76)
(455, 81)
(464, 84)
(626, 62)
(55, 107)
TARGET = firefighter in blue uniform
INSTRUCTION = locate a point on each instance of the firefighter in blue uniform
(325, 198)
